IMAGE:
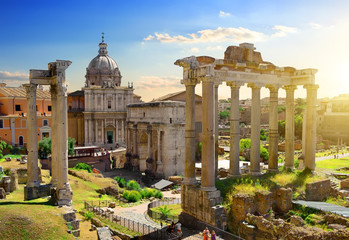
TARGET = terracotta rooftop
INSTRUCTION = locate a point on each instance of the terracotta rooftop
(20, 92)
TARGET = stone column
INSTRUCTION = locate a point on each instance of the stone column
(255, 129)
(32, 137)
(310, 141)
(190, 147)
(64, 192)
(150, 142)
(208, 162)
(289, 129)
(135, 147)
(273, 128)
(122, 131)
(102, 131)
(86, 131)
(234, 168)
(159, 169)
(117, 130)
(216, 115)
(54, 134)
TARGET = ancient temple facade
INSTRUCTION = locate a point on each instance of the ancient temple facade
(98, 112)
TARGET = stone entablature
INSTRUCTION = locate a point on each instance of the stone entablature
(154, 138)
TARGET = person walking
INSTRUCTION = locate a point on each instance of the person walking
(213, 235)
(206, 233)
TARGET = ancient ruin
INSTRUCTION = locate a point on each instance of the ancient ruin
(55, 78)
(241, 65)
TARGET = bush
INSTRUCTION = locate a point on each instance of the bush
(121, 181)
(132, 196)
(159, 194)
(146, 193)
(83, 166)
(264, 153)
(132, 185)
(88, 215)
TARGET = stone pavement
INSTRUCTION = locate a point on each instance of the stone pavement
(323, 206)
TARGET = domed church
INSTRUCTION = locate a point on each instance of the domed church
(97, 113)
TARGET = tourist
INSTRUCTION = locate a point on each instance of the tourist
(206, 233)
(178, 227)
(172, 227)
(213, 235)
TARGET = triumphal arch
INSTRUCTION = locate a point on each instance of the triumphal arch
(241, 65)
(59, 187)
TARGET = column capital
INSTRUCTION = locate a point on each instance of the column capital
(273, 87)
(255, 85)
(207, 78)
(234, 84)
(217, 82)
(189, 81)
(30, 90)
(311, 86)
(289, 87)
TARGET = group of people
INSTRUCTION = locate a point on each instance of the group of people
(175, 229)
(207, 234)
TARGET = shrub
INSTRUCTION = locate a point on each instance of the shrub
(264, 153)
(146, 193)
(132, 185)
(121, 181)
(88, 215)
(83, 166)
(165, 211)
(159, 194)
(132, 196)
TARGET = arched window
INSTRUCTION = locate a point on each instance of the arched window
(21, 141)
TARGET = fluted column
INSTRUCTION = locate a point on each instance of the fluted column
(54, 134)
(150, 142)
(208, 162)
(135, 147)
(273, 128)
(216, 115)
(289, 128)
(159, 167)
(234, 169)
(190, 147)
(255, 129)
(32, 137)
(310, 135)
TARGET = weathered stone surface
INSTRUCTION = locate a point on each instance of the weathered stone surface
(22, 175)
(283, 199)
(69, 216)
(264, 202)
(336, 219)
(112, 205)
(335, 226)
(344, 184)
(76, 233)
(37, 192)
(75, 224)
(2, 193)
(176, 179)
(5, 183)
(96, 222)
(318, 191)
(14, 180)
(241, 206)
(104, 233)
(297, 221)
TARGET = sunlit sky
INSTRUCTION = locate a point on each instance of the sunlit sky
(146, 37)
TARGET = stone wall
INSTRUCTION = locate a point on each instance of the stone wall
(318, 191)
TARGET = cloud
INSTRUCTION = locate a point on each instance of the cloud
(13, 79)
(223, 14)
(214, 48)
(315, 25)
(156, 82)
(282, 31)
(194, 50)
(211, 35)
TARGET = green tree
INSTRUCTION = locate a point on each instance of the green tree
(298, 126)
(281, 128)
(245, 143)
(224, 115)
(263, 137)
(45, 147)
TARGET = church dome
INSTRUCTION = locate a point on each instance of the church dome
(103, 69)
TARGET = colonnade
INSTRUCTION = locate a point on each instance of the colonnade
(193, 74)
(55, 77)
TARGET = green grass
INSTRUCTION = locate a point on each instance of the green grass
(118, 227)
(333, 163)
(13, 156)
(175, 209)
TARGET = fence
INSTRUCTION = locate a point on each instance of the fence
(160, 216)
(149, 232)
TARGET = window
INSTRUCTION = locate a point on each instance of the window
(37, 107)
(45, 122)
(18, 108)
(49, 108)
(109, 104)
(1, 123)
(170, 120)
(20, 141)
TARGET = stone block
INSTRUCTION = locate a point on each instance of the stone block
(75, 224)
(104, 233)
(8, 159)
(264, 202)
(22, 175)
(14, 180)
(241, 206)
(76, 233)
(2, 193)
(176, 179)
(37, 192)
(5, 183)
(318, 191)
(344, 184)
(1, 169)
(18, 159)
(283, 199)
(69, 216)
(297, 221)
(112, 205)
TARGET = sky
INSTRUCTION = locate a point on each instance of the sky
(145, 38)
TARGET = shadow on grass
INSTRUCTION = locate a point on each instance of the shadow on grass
(45, 203)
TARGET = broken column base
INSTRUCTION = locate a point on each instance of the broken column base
(63, 196)
(37, 192)
(205, 208)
